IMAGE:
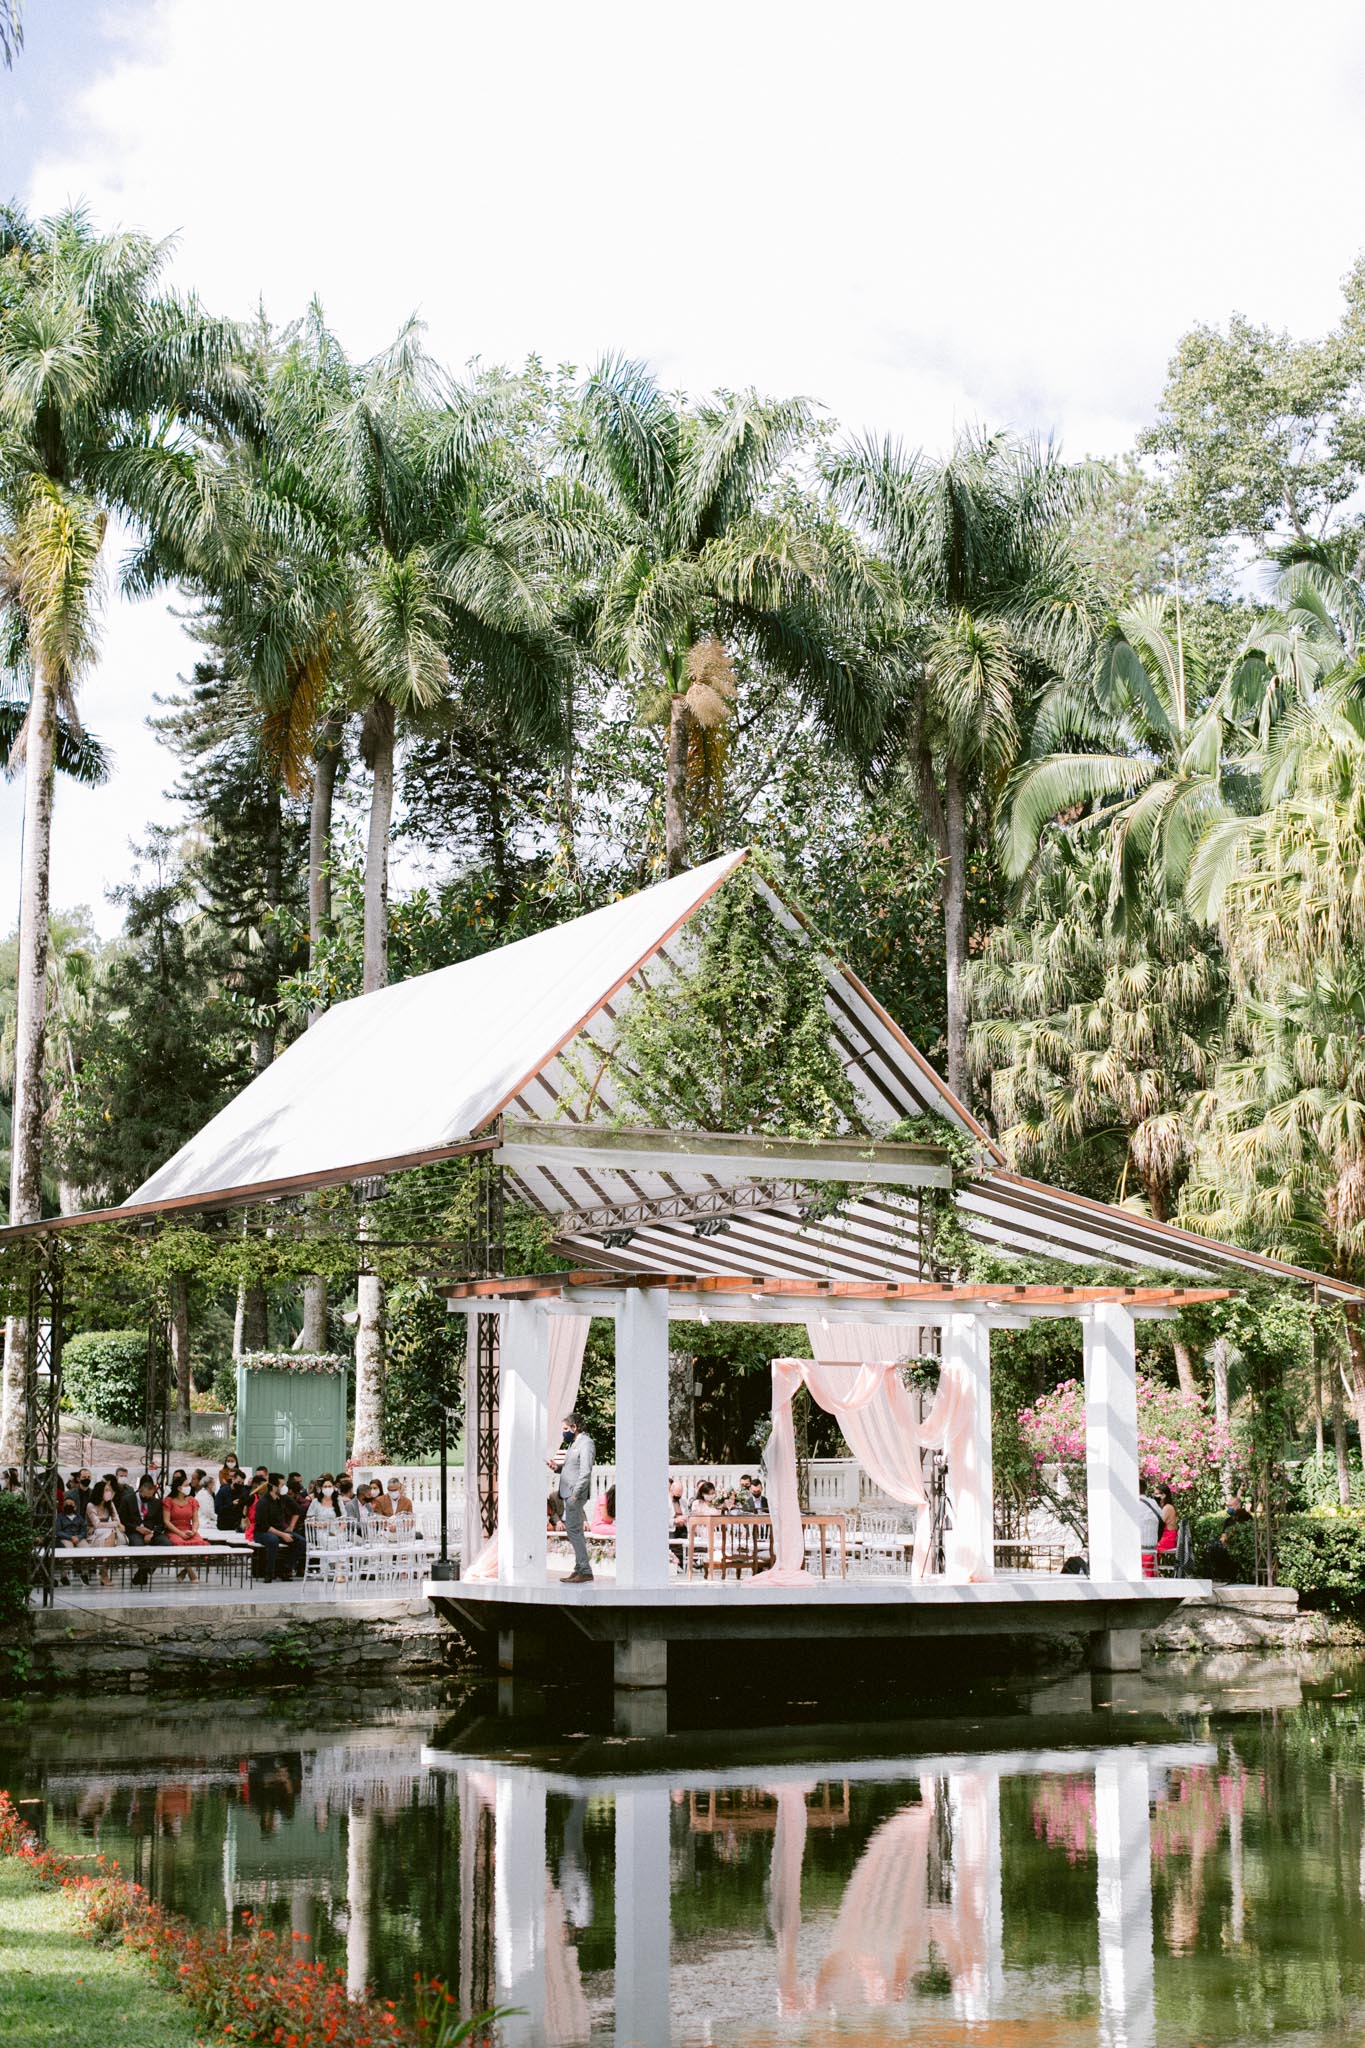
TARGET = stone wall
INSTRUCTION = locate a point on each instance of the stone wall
(186, 1642)
(1251, 1618)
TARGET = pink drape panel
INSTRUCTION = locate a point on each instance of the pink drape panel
(855, 1376)
(885, 1926)
(568, 1341)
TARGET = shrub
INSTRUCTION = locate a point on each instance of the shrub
(1322, 1555)
(104, 1373)
(16, 1562)
(1180, 1445)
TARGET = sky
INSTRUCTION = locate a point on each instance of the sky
(918, 216)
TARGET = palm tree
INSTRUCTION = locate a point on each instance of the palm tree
(1095, 1043)
(1139, 755)
(993, 608)
(1282, 1165)
(11, 31)
(706, 554)
(106, 387)
(390, 558)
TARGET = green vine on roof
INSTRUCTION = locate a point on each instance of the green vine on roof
(739, 1039)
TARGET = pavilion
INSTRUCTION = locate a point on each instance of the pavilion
(509, 1055)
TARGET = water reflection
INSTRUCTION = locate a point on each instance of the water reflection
(1032, 1879)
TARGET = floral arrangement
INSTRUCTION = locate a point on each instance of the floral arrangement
(292, 1361)
(1179, 1443)
(255, 1987)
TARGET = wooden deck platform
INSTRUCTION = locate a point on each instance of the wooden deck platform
(513, 1626)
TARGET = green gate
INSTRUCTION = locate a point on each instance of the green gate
(291, 1412)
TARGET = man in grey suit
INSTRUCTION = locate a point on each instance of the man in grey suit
(575, 1484)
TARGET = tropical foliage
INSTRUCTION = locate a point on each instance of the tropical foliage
(1074, 785)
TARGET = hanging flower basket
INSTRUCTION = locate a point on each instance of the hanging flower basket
(292, 1361)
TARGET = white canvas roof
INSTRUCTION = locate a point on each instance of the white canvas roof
(413, 1070)
(419, 1070)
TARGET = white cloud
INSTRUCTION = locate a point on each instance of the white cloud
(916, 215)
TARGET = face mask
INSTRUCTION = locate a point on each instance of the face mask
(566, 1439)
(327, 1493)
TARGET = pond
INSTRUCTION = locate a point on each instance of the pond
(1173, 1858)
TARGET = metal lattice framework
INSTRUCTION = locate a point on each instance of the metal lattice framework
(157, 1441)
(42, 1407)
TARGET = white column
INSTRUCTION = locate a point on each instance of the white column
(359, 1888)
(978, 1893)
(519, 1887)
(1123, 1847)
(1111, 1442)
(523, 1426)
(967, 1347)
(642, 1437)
(643, 1917)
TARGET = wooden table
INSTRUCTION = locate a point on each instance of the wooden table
(732, 1542)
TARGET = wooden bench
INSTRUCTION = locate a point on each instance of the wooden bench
(231, 1560)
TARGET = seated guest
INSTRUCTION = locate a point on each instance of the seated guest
(104, 1525)
(350, 1503)
(68, 1529)
(603, 1521)
(704, 1500)
(401, 1503)
(323, 1504)
(1236, 1512)
(229, 1502)
(255, 1495)
(758, 1499)
(677, 1520)
(278, 1529)
(180, 1517)
(205, 1504)
(146, 1525)
(381, 1503)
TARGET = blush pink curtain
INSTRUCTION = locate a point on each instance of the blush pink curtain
(568, 1341)
(855, 1376)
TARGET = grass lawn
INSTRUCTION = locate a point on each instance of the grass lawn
(58, 1991)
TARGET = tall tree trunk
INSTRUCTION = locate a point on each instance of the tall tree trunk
(1319, 1447)
(26, 1159)
(1355, 1337)
(1339, 1439)
(368, 1445)
(326, 763)
(675, 786)
(955, 930)
(251, 1328)
(379, 750)
(1219, 1352)
(180, 1350)
(568, 846)
(1184, 1370)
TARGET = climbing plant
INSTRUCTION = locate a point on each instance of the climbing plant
(739, 1039)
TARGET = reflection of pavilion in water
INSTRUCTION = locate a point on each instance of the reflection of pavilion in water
(918, 1933)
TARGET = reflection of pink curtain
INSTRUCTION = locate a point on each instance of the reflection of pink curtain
(784, 1892)
(885, 1925)
(856, 1376)
(568, 1341)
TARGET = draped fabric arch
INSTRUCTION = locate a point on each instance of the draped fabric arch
(855, 1375)
(568, 1341)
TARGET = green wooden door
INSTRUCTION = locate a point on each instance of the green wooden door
(291, 1421)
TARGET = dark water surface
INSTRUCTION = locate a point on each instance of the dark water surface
(1178, 1859)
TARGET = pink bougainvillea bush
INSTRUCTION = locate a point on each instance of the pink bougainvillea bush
(1179, 1443)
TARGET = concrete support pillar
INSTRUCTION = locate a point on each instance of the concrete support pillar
(978, 1893)
(1111, 1443)
(643, 1917)
(967, 1347)
(519, 1888)
(640, 1662)
(1123, 1846)
(1116, 1649)
(523, 1432)
(642, 1438)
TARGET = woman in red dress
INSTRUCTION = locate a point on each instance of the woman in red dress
(181, 1514)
